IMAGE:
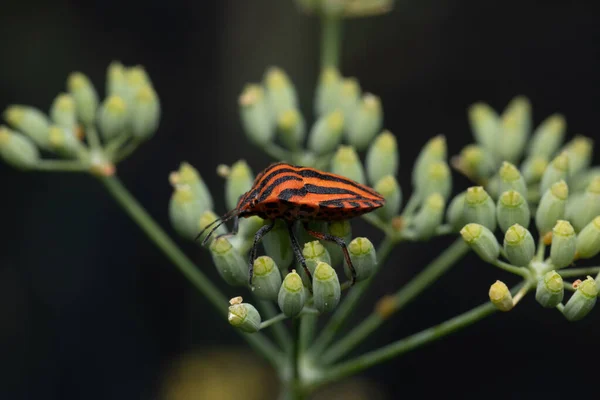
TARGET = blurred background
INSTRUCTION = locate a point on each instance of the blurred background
(89, 308)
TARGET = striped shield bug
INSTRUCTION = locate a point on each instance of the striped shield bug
(294, 193)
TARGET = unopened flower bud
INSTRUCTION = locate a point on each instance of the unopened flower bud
(185, 210)
(500, 296)
(584, 178)
(512, 208)
(188, 175)
(255, 115)
(238, 182)
(588, 240)
(349, 98)
(551, 207)
(515, 127)
(550, 290)
(480, 208)
(346, 163)
(277, 246)
(266, 278)
(343, 230)
(556, 171)
(326, 288)
(30, 121)
(485, 124)
(144, 113)
(533, 168)
(244, 317)
(291, 128)
(519, 245)
(433, 151)
(548, 137)
(430, 216)
(586, 206)
(314, 252)
(230, 264)
(328, 89)
(112, 117)
(85, 96)
(17, 150)
(63, 141)
(326, 133)
(455, 213)
(474, 162)
(511, 179)
(116, 81)
(582, 301)
(280, 91)
(292, 295)
(62, 111)
(363, 257)
(388, 187)
(564, 242)
(382, 157)
(482, 241)
(437, 180)
(207, 218)
(579, 151)
(365, 122)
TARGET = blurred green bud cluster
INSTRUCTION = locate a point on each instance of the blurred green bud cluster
(346, 8)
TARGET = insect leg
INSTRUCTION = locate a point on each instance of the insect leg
(257, 237)
(298, 252)
(234, 231)
(340, 242)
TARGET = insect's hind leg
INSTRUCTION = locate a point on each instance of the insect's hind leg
(257, 237)
(299, 256)
(340, 242)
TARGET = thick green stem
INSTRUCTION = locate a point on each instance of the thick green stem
(331, 41)
(308, 324)
(344, 310)
(260, 343)
(407, 344)
(397, 301)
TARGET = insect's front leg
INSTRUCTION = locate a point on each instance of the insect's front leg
(298, 252)
(257, 237)
(234, 231)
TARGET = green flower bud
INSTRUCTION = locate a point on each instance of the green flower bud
(551, 207)
(314, 252)
(280, 91)
(136, 78)
(145, 113)
(433, 151)
(588, 240)
(512, 209)
(480, 208)
(188, 175)
(550, 290)
(17, 150)
(548, 137)
(515, 127)
(533, 168)
(382, 157)
(365, 123)
(388, 187)
(455, 213)
(582, 301)
(292, 295)
(349, 98)
(586, 206)
(500, 296)
(249, 226)
(291, 128)
(519, 245)
(207, 218)
(256, 115)
(564, 243)
(341, 229)
(31, 121)
(266, 278)
(243, 316)
(185, 210)
(579, 151)
(230, 264)
(482, 241)
(511, 179)
(328, 89)
(345, 162)
(326, 133)
(584, 178)
(485, 124)
(474, 162)
(238, 182)
(556, 171)
(112, 117)
(326, 288)
(116, 81)
(437, 180)
(277, 246)
(62, 111)
(63, 141)
(363, 257)
(429, 217)
(85, 96)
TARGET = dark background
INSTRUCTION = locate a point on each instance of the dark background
(89, 308)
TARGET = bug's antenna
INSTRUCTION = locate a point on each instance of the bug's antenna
(221, 220)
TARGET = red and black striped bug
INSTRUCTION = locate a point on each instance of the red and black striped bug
(293, 193)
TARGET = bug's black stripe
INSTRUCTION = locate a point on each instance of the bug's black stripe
(280, 180)
(328, 190)
(267, 178)
(287, 194)
(330, 203)
(354, 204)
(311, 173)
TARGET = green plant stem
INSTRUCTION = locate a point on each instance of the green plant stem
(407, 344)
(308, 324)
(568, 286)
(93, 138)
(400, 299)
(331, 41)
(272, 321)
(125, 151)
(411, 205)
(62, 165)
(541, 250)
(344, 310)
(567, 273)
(260, 343)
(276, 152)
(511, 268)
(281, 334)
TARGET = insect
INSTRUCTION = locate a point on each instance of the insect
(294, 193)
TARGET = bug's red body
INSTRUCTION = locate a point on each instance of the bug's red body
(297, 193)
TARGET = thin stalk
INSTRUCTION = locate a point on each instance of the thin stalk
(260, 343)
(511, 268)
(281, 334)
(344, 310)
(125, 151)
(567, 273)
(93, 138)
(397, 301)
(541, 249)
(62, 165)
(411, 205)
(331, 41)
(405, 345)
(271, 321)
(308, 324)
